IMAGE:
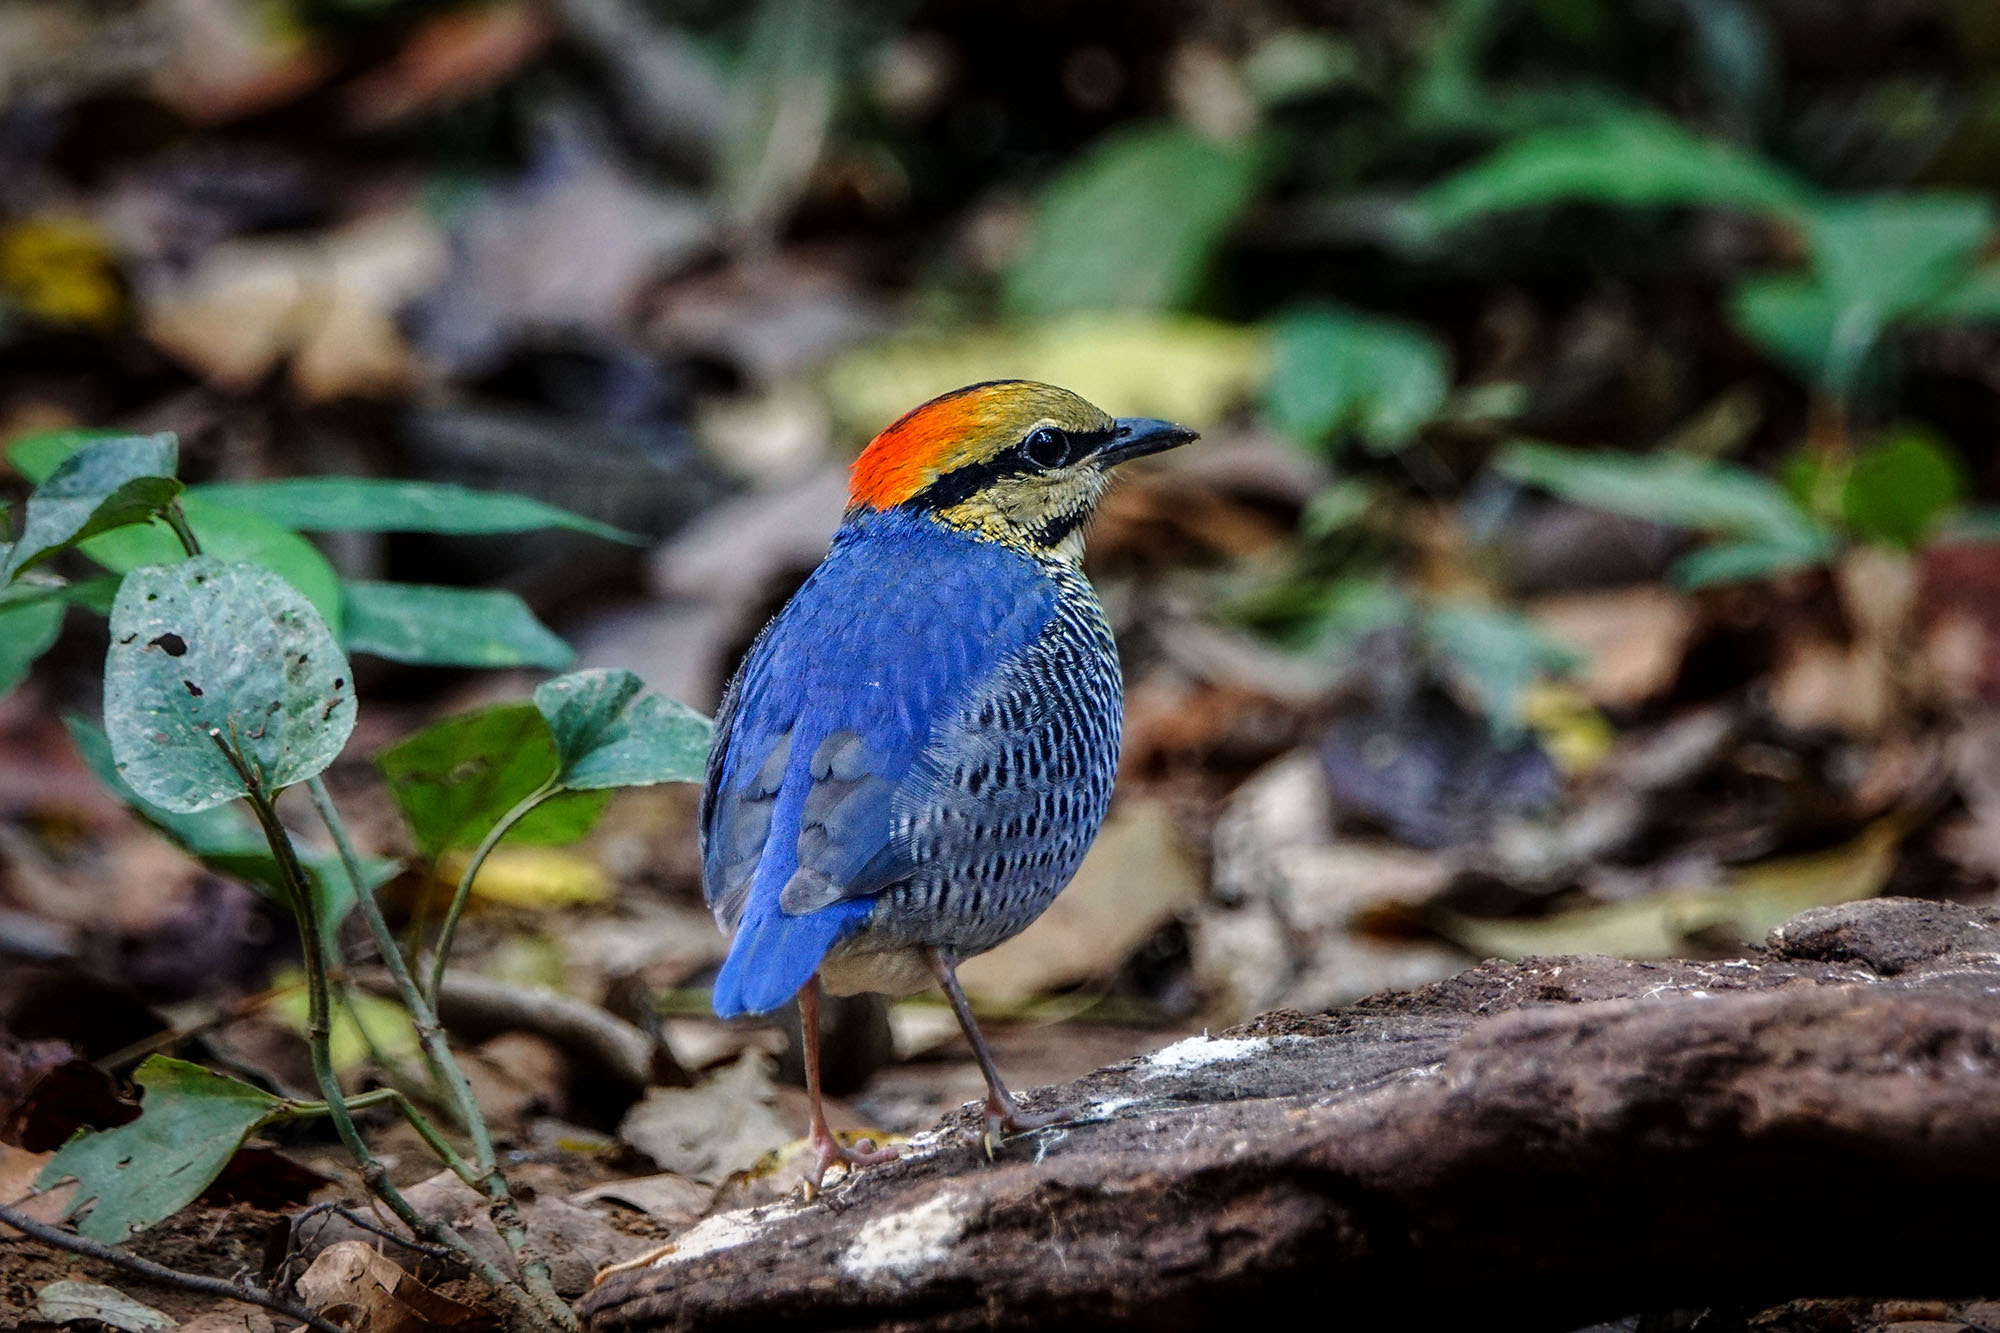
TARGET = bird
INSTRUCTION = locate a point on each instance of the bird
(916, 751)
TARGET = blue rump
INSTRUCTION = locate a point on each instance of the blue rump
(819, 741)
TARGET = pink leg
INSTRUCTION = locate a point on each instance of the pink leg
(827, 1148)
(1003, 1117)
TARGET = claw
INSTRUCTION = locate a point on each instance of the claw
(1005, 1118)
(828, 1148)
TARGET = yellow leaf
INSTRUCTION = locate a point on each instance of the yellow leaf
(1748, 905)
(60, 270)
(362, 1026)
(1571, 729)
(530, 877)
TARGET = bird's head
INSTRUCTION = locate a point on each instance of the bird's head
(1010, 461)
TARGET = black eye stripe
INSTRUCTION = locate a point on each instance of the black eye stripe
(963, 483)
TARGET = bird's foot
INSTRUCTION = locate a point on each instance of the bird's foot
(1004, 1118)
(851, 1152)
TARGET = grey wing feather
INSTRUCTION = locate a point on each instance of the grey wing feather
(735, 824)
(842, 852)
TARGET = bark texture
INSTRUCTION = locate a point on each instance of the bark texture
(1533, 1145)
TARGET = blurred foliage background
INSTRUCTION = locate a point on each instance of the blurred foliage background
(1594, 543)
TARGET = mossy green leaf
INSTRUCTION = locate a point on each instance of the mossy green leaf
(207, 653)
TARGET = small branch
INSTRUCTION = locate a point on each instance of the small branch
(60, 1239)
(485, 1174)
(373, 1173)
(459, 898)
(176, 519)
(435, 1253)
(604, 1039)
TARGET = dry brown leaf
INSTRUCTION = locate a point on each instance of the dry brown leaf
(330, 305)
(350, 1283)
(448, 57)
(707, 1132)
(1752, 901)
(1959, 615)
(666, 1197)
(1135, 880)
(70, 1301)
(1293, 937)
(517, 1075)
(1818, 684)
(233, 58)
(1633, 639)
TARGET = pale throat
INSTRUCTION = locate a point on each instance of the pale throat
(1043, 516)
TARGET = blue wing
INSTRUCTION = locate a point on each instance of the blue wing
(822, 729)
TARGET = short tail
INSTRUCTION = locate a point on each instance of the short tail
(774, 954)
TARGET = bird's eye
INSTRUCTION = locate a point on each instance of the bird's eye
(1046, 447)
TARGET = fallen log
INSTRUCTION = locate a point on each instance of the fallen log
(1532, 1145)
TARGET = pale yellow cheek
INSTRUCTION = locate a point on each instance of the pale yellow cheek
(1012, 511)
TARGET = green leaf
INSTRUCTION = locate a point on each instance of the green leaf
(1628, 159)
(453, 781)
(226, 839)
(1334, 507)
(1877, 261)
(190, 1124)
(432, 626)
(26, 632)
(1737, 562)
(360, 504)
(1794, 320)
(1677, 490)
(1974, 300)
(209, 649)
(610, 733)
(228, 534)
(35, 588)
(103, 485)
(1335, 371)
(1893, 254)
(1901, 488)
(1131, 224)
(1494, 654)
(37, 456)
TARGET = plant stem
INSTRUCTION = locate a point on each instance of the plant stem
(146, 1268)
(501, 829)
(435, 1141)
(373, 1173)
(177, 520)
(484, 1173)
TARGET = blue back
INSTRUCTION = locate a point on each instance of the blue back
(824, 726)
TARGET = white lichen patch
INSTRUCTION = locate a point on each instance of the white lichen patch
(903, 1244)
(1195, 1052)
(724, 1231)
(1103, 1108)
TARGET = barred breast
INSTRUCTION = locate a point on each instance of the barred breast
(1008, 796)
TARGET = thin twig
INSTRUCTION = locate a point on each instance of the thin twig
(463, 894)
(436, 1253)
(373, 1173)
(485, 1175)
(146, 1268)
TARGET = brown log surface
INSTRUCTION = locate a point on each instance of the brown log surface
(1529, 1145)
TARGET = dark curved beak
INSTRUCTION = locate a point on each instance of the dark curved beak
(1135, 437)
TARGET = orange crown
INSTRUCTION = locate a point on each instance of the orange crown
(968, 425)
